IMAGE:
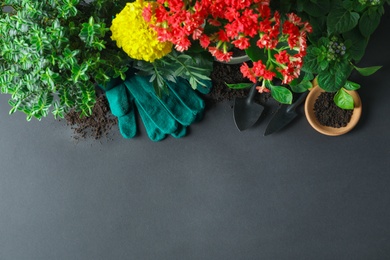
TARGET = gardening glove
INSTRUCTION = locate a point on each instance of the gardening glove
(170, 114)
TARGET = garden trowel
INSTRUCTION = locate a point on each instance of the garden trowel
(246, 110)
(284, 115)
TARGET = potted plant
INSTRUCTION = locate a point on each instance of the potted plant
(274, 41)
(341, 32)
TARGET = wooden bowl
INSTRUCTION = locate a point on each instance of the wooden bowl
(326, 130)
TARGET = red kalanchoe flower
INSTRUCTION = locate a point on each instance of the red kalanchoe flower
(258, 70)
(293, 33)
(248, 72)
(282, 57)
(204, 41)
(182, 44)
(235, 23)
(242, 43)
(220, 55)
(222, 36)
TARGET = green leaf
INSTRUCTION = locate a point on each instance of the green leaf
(317, 8)
(319, 27)
(255, 53)
(348, 4)
(349, 85)
(332, 81)
(239, 85)
(324, 64)
(368, 23)
(341, 20)
(344, 100)
(200, 76)
(367, 71)
(99, 45)
(281, 94)
(193, 82)
(358, 44)
(302, 86)
(310, 61)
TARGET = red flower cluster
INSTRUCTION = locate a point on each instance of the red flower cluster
(235, 21)
(218, 24)
(286, 60)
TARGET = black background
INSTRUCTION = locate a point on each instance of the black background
(216, 194)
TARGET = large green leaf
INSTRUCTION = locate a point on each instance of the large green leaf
(344, 100)
(301, 87)
(281, 94)
(369, 21)
(317, 8)
(310, 61)
(336, 78)
(341, 20)
(319, 28)
(358, 44)
(368, 70)
(282, 5)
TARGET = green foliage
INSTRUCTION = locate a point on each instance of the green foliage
(368, 70)
(349, 85)
(280, 93)
(239, 85)
(302, 84)
(53, 53)
(343, 99)
(195, 67)
(341, 31)
(341, 20)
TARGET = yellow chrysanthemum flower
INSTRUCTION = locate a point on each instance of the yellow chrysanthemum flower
(133, 34)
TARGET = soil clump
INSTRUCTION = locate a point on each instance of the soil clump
(328, 113)
(97, 125)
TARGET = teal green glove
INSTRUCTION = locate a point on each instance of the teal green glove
(170, 114)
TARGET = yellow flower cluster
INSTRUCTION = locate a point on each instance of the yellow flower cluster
(133, 34)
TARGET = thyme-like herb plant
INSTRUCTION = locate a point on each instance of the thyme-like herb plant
(54, 52)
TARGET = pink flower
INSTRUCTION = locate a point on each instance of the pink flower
(262, 89)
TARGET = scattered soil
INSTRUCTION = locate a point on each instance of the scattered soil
(224, 73)
(97, 125)
(101, 121)
(328, 113)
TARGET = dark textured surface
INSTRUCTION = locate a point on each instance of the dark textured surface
(328, 113)
(216, 194)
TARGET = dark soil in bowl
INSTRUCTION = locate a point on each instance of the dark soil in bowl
(328, 113)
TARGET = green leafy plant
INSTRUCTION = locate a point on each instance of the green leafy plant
(193, 66)
(53, 53)
(341, 32)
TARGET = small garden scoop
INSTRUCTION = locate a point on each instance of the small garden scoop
(246, 110)
(284, 115)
